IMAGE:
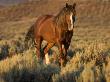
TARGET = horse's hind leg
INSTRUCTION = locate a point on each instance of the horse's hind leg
(49, 45)
(38, 41)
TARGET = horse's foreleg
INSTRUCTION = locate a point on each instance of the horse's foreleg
(65, 54)
(64, 49)
(60, 46)
(46, 52)
(61, 54)
(49, 45)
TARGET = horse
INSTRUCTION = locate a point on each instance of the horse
(56, 30)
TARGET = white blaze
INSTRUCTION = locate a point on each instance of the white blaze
(71, 27)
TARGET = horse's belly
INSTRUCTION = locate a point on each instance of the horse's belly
(48, 35)
(49, 38)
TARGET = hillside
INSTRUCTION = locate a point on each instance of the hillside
(95, 12)
(11, 2)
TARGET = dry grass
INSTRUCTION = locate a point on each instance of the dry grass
(25, 69)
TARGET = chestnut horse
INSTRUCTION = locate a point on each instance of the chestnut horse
(56, 30)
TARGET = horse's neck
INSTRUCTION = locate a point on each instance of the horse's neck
(61, 22)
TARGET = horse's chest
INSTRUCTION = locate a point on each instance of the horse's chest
(63, 35)
(67, 35)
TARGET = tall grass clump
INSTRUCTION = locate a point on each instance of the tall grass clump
(24, 68)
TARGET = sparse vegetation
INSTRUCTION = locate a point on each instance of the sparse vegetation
(90, 59)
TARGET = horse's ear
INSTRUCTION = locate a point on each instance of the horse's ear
(67, 5)
(74, 5)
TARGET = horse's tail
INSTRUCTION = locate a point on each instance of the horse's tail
(29, 38)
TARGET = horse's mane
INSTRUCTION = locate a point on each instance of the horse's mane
(60, 20)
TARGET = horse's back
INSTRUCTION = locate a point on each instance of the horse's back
(44, 27)
(42, 19)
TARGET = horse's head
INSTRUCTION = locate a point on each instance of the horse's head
(70, 15)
